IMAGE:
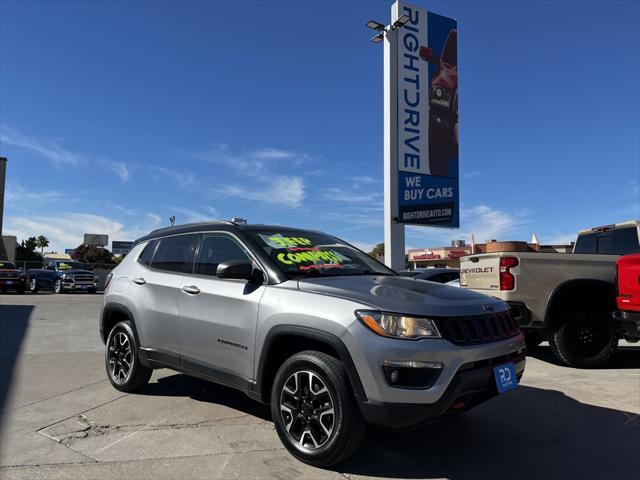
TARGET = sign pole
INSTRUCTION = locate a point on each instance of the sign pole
(393, 230)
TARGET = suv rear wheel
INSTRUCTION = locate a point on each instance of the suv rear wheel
(124, 369)
(314, 411)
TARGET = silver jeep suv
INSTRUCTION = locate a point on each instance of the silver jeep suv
(328, 336)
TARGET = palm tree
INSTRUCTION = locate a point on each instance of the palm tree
(42, 242)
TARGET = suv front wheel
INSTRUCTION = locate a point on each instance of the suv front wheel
(314, 411)
(124, 369)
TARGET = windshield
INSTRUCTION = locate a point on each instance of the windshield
(311, 254)
(72, 265)
(7, 266)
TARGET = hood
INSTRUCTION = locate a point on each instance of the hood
(405, 295)
(78, 271)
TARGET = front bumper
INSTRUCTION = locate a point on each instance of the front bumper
(79, 286)
(472, 385)
(628, 323)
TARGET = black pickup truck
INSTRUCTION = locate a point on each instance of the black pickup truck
(62, 276)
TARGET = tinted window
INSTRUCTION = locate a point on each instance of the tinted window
(216, 249)
(586, 243)
(147, 253)
(625, 240)
(175, 254)
(604, 243)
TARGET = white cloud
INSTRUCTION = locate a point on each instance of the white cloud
(119, 168)
(481, 221)
(17, 194)
(560, 239)
(58, 155)
(273, 153)
(286, 191)
(155, 219)
(187, 215)
(181, 179)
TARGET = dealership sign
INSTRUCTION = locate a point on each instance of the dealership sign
(427, 118)
(120, 248)
(96, 239)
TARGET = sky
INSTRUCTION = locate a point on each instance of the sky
(116, 115)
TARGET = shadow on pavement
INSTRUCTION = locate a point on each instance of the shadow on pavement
(14, 321)
(527, 433)
(203, 391)
(626, 357)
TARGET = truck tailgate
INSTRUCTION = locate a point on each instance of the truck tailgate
(480, 272)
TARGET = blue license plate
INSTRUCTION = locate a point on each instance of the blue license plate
(505, 376)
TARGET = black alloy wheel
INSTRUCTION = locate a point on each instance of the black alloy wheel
(124, 370)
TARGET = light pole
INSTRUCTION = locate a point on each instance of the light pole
(394, 243)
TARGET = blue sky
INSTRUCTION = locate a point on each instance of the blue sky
(115, 115)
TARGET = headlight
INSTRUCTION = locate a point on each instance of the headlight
(398, 326)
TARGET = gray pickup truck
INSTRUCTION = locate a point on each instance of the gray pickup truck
(62, 276)
(567, 299)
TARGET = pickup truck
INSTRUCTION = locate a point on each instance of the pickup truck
(628, 300)
(62, 276)
(567, 299)
(11, 278)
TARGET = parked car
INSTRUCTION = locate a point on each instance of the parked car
(329, 337)
(439, 275)
(62, 276)
(627, 317)
(11, 278)
(567, 299)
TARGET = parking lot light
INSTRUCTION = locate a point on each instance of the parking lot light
(372, 24)
(401, 21)
(378, 38)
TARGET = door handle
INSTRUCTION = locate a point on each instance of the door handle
(192, 289)
(139, 281)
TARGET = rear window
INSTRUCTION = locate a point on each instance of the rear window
(175, 254)
(147, 253)
(615, 242)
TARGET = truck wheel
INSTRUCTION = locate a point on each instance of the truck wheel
(124, 369)
(587, 339)
(58, 287)
(33, 285)
(314, 411)
(532, 339)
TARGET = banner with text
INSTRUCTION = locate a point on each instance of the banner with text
(427, 119)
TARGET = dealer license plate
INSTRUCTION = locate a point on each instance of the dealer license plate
(505, 376)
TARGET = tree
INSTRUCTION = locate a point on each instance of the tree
(378, 251)
(92, 254)
(25, 251)
(41, 243)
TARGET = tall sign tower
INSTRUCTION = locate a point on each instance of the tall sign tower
(420, 124)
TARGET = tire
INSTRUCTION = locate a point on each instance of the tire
(121, 346)
(58, 287)
(586, 339)
(33, 285)
(533, 338)
(322, 438)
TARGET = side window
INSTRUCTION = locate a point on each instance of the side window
(147, 253)
(625, 241)
(216, 249)
(175, 254)
(50, 266)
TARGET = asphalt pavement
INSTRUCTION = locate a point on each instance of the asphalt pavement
(62, 419)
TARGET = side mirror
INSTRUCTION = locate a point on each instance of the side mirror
(238, 269)
(426, 54)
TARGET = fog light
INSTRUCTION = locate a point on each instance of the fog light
(411, 374)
